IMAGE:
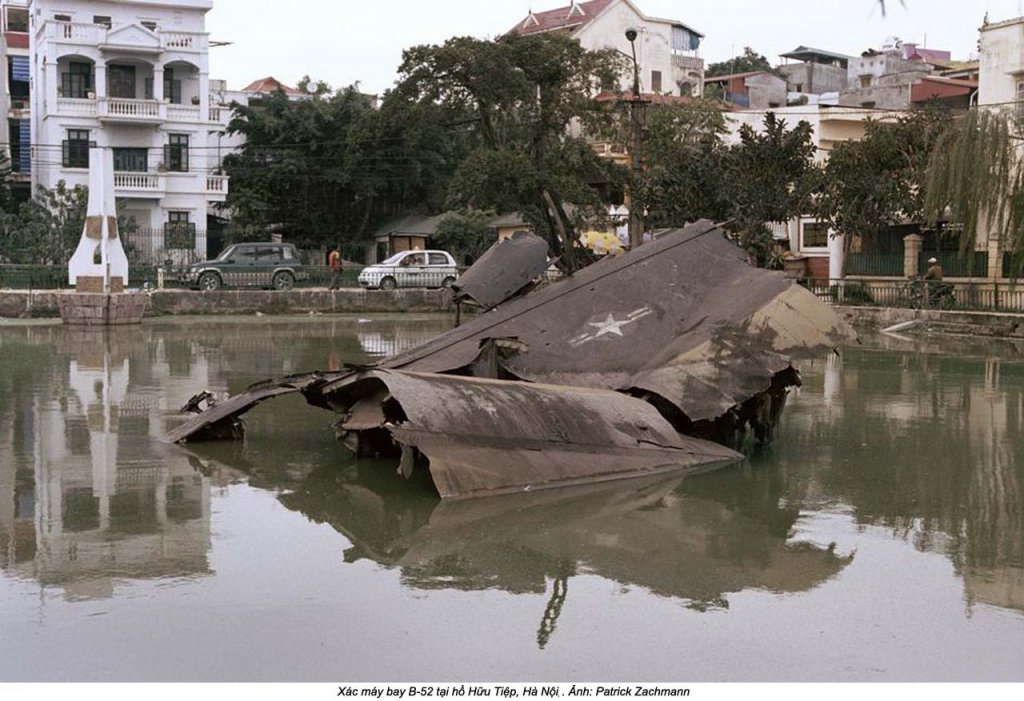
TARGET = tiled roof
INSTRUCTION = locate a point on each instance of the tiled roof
(570, 17)
(268, 85)
(727, 78)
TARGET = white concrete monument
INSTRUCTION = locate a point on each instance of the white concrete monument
(99, 268)
(100, 264)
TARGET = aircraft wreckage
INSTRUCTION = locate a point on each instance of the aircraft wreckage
(662, 359)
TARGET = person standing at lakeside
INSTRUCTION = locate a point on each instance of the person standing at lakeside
(334, 261)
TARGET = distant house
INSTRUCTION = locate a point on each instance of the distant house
(756, 90)
(667, 49)
(265, 87)
(409, 233)
(814, 71)
(505, 225)
(415, 232)
(901, 76)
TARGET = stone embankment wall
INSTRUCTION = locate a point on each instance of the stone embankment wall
(42, 305)
(987, 324)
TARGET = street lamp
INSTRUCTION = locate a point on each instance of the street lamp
(636, 219)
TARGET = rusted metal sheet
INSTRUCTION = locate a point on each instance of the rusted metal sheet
(684, 317)
(504, 270)
(493, 437)
(221, 419)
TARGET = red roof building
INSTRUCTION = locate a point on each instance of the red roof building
(269, 86)
(565, 19)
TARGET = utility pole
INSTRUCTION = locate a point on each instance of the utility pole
(636, 215)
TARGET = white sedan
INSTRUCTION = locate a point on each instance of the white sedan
(411, 269)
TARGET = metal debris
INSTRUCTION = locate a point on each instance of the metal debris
(504, 271)
(491, 437)
(617, 371)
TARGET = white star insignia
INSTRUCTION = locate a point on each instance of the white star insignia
(610, 326)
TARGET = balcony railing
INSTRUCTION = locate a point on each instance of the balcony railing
(183, 41)
(217, 184)
(74, 107)
(126, 110)
(138, 183)
(96, 35)
(688, 63)
(182, 113)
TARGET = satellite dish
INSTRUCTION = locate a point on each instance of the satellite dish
(892, 43)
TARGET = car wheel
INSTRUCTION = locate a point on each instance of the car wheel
(388, 284)
(448, 282)
(284, 281)
(209, 282)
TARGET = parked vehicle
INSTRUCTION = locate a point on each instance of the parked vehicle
(411, 269)
(270, 265)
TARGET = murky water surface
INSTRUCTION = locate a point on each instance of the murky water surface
(882, 539)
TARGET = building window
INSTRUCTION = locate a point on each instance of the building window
(814, 235)
(20, 134)
(865, 81)
(102, 20)
(179, 231)
(62, 18)
(151, 26)
(18, 70)
(176, 156)
(1020, 98)
(172, 87)
(656, 81)
(77, 81)
(131, 160)
(16, 19)
(121, 81)
(76, 149)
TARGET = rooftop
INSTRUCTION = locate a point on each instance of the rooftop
(577, 15)
(270, 85)
(808, 53)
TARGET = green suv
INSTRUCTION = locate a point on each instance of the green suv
(268, 265)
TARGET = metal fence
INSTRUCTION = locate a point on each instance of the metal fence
(989, 296)
(955, 264)
(881, 264)
(43, 277)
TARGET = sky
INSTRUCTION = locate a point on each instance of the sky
(349, 41)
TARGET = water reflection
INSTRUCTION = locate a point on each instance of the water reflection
(85, 499)
(664, 535)
(930, 446)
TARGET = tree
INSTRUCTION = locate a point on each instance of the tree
(46, 229)
(879, 182)
(520, 96)
(770, 176)
(748, 62)
(323, 170)
(686, 161)
(975, 180)
(466, 235)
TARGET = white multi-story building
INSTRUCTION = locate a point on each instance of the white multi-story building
(132, 76)
(666, 49)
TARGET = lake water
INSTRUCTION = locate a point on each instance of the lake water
(881, 538)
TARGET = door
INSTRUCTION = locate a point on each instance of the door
(413, 270)
(268, 259)
(239, 269)
(440, 268)
(121, 81)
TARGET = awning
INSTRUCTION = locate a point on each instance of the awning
(21, 68)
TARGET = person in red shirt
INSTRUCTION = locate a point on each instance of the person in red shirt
(334, 260)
